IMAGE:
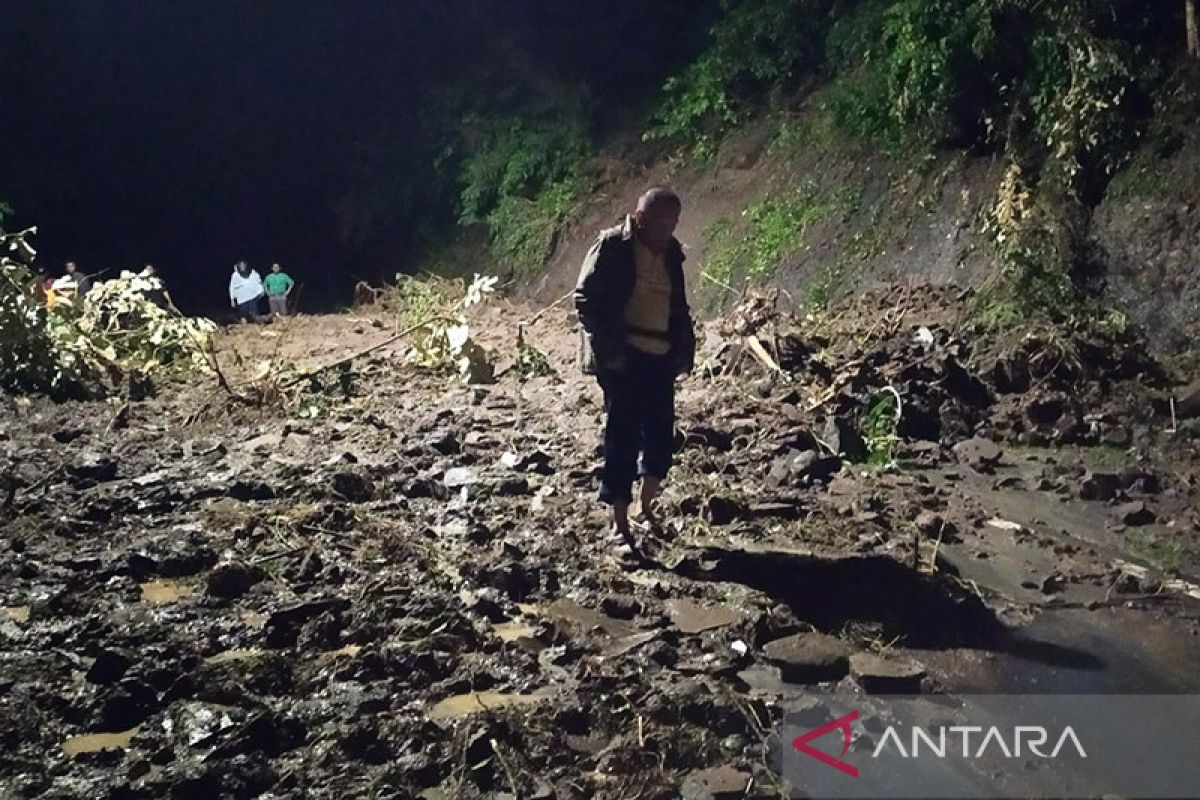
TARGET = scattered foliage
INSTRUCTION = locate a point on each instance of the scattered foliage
(524, 181)
(445, 341)
(113, 337)
(755, 46)
(1035, 255)
(880, 425)
(774, 228)
(531, 362)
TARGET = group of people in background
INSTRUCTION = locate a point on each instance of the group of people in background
(74, 284)
(247, 289)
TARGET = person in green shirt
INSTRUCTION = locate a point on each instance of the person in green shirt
(279, 287)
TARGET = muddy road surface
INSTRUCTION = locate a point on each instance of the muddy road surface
(388, 584)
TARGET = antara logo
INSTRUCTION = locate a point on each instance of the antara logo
(938, 742)
(800, 743)
(1033, 737)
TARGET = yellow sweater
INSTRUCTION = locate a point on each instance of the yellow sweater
(649, 306)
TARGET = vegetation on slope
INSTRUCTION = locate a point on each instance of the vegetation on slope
(1064, 91)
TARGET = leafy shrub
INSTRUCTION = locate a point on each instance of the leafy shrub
(1079, 83)
(517, 159)
(445, 339)
(857, 108)
(757, 46)
(28, 357)
(932, 48)
(92, 344)
(1035, 255)
(523, 231)
(117, 328)
(774, 228)
(879, 428)
(524, 181)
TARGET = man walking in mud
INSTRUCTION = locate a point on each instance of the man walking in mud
(636, 339)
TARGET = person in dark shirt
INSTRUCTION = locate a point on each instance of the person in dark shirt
(158, 293)
(83, 283)
(637, 339)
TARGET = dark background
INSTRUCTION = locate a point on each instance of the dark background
(193, 133)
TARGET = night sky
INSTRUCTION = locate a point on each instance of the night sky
(193, 133)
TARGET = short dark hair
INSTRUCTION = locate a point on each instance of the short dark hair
(658, 196)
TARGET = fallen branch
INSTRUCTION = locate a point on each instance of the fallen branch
(722, 284)
(508, 773)
(556, 303)
(758, 351)
(307, 374)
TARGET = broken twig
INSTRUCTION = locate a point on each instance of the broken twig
(303, 376)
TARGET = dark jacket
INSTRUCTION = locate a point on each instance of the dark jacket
(605, 285)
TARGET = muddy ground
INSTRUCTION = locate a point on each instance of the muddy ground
(394, 585)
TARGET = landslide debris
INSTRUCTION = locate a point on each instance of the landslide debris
(411, 593)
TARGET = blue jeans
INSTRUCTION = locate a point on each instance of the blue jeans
(639, 429)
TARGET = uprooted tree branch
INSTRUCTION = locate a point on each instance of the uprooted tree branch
(114, 339)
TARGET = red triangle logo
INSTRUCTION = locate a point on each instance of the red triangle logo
(800, 743)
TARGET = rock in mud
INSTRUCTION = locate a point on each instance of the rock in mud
(265, 732)
(983, 455)
(538, 461)
(417, 488)
(109, 667)
(1099, 486)
(1187, 401)
(1135, 513)
(719, 783)
(1116, 436)
(362, 742)
(128, 705)
(885, 675)
(822, 468)
(353, 485)
(802, 467)
(283, 626)
(844, 439)
(930, 523)
(723, 510)
(809, 657)
(66, 435)
(170, 558)
(232, 580)
(94, 467)
(457, 477)
(444, 442)
(690, 617)
(775, 510)
(511, 487)
(250, 490)
(1137, 480)
(780, 473)
(707, 436)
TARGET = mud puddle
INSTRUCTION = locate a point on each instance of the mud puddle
(98, 742)
(164, 592)
(475, 702)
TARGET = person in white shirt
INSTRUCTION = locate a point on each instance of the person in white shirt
(246, 292)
